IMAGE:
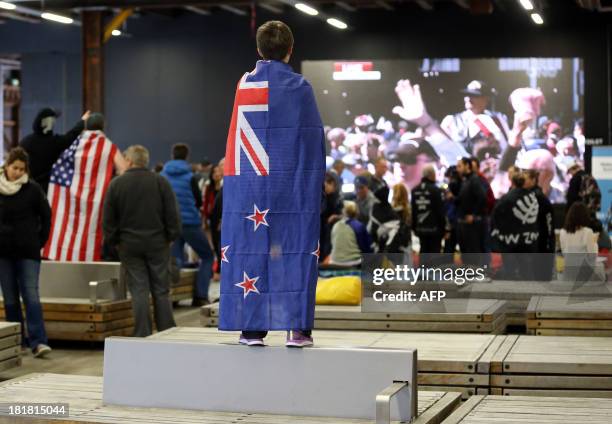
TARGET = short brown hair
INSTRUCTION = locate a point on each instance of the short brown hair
(578, 216)
(18, 153)
(274, 40)
(180, 151)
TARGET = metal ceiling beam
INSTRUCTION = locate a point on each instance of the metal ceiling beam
(116, 22)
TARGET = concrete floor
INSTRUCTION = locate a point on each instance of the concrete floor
(86, 358)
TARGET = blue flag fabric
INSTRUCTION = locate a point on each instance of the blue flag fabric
(272, 188)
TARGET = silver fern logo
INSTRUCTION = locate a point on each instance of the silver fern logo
(526, 209)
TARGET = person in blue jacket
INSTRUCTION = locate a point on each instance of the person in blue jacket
(185, 185)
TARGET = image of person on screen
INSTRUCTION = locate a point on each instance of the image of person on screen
(465, 132)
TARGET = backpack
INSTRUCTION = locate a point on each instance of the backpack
(589, 193)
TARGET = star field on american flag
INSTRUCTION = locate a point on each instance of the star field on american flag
(248, 284)
(258, 217)
(62, 175)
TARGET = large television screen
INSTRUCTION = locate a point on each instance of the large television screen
(523, 112)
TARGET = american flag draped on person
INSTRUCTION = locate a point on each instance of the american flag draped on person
(272, 187)
(79, 180)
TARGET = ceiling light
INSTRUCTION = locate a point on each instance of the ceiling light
(116, 32)
(7, 6)
(527, 5)
(537, 18)
(56, 18)
(337, 23)
(306, 9)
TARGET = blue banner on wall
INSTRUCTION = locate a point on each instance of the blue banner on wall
(601, 166)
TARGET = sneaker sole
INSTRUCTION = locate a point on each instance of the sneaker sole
(42, 354)
(252, 343)
(298, 344)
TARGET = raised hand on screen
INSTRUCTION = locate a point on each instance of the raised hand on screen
(413, 107)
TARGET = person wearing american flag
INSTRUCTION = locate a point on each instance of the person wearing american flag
(272, 191)
(78, 184)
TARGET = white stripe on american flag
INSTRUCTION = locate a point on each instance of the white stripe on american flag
(50, 197)
(68, 231)
(83, 199)
(60, 192)
(95, 206)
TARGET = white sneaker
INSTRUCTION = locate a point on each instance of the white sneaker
(41, 351)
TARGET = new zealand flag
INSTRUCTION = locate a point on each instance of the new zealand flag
(272, 187)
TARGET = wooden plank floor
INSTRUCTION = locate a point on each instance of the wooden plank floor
(82, 358)
(451, 315)
(518, 294)
(84, 395)
(570, 315)
(530, 410)
(80, 319)
(563, 366)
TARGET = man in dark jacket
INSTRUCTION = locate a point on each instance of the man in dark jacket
(141, 219)
(44, 147)
(471, 207)
(428, 217)
(185, 186)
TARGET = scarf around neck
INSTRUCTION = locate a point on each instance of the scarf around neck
(9, 188)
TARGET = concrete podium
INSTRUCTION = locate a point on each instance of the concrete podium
(361, 383)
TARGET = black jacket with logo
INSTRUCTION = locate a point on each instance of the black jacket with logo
(428, 213)
(514, 222)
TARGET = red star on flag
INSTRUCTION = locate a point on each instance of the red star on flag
(317, 252)
(223, 253)
(248, 285)
(258, 217)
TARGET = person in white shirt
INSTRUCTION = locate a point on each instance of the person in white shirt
(579, 245)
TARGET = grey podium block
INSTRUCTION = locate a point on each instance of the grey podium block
(317, 381)
(72, 279)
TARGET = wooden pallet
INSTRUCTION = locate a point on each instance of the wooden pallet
(447, 362)
(184, 288)
(79, 319)
(483, 316)
(528, 410)
(84, 396)
(560, 366)
(518, 294)
(570, 316)
(10, 345)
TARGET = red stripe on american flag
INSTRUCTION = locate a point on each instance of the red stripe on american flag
(109, 174)
(66, 208)
(253, 155)
(77, 205)
(54, 201)
(93, 168)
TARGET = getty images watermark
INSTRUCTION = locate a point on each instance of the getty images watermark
(403, 274)
(393, 283)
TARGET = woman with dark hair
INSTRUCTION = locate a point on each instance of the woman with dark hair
(25, 221)
(576, 236)
(579, 245)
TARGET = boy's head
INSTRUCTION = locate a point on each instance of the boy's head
(180, 151)
(275, 41)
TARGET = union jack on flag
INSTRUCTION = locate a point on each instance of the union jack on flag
(78, 183)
